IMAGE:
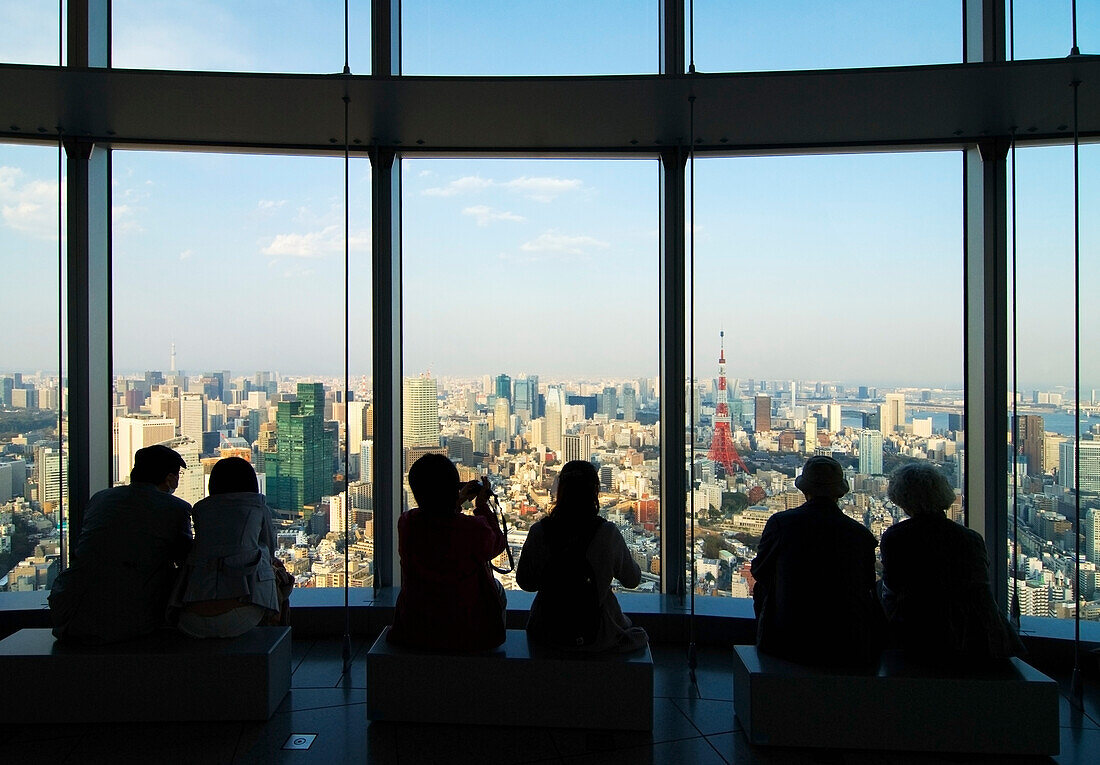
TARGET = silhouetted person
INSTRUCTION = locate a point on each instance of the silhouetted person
(569, 559)
(449, 600)
(935, 578)
(229, 583)
(815, 594)
(123, 565)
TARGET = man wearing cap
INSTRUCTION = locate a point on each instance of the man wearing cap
(815, 597)
(124, 564)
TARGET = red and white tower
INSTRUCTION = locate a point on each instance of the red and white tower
(722, 449)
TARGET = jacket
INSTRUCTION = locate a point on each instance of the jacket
(231, 556)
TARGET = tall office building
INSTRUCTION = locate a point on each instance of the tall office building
(835, 414)
(503, 388)
(607, 403)
(1092, 535)
(420, 410)
(192, 485)
(870, 452)
(576, 447)
(193, 416)
(299, 472)
(630, 404)
(366, 460)
(501, 415)
(136, 431)
(809, 440)
(1029, 442)
(521, 399)
(356, 434)
(763, 414)
(479, 434)
(52, 474)
(892, 413)
(1090, 465)
(555, 417)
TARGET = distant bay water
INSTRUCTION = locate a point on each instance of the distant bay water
(1057, 422)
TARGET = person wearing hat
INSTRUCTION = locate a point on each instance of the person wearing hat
(815, 595)
(123, 565)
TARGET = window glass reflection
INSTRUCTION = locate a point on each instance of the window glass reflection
(831, 288)
(229, 337)
(33, 453)
(529, 37)
(1044, 28)
(530, 332)
(274, 36)
(1045, 507)
(752, 35)
(28, 32)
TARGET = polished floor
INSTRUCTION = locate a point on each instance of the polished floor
(692, 724)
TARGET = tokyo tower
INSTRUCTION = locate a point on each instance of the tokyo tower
(721, 447)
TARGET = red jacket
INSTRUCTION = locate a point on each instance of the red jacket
(448, 598)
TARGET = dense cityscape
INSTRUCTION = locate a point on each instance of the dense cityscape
(751, 439)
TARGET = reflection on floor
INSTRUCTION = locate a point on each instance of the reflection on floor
(691, 725)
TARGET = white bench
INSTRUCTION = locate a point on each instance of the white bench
(515, 684)
(163, 677)
(901, 707)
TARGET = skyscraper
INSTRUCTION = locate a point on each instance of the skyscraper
(870, 452)
(501, 413)
(809, 442)
(892, 413)
(420, 411)
(1092, 535)
(299, 472)
(555, 417)
(763, 414)
(630, 404)
(835, 415)
(576, 447)
(1090, 465)
(137, 431)
(192, 485)
(193, 416)
(503, 388)
(1029, 441)
(357, 432)
(52, 474)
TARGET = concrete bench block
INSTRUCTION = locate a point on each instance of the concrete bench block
(901, 707)
(164, 677)
(516, 684)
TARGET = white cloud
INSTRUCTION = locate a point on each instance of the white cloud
(270, 204)
(551, 241)
(539, 188)
(543, 188)
(186, 254)
(28, 206)
(486, 215)
(459, 186)
(122, 221)
(315, 244)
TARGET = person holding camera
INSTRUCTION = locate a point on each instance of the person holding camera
(449, 599)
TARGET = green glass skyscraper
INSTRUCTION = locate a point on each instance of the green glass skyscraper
(299, 472)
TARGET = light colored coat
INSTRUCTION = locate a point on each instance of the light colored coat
(231, 556)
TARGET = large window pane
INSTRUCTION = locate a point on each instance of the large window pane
(759, 35)
(273, 36)
(529, 37)
(1044, 28)
(229, 335)
(33, 453)
(837, 282)
(1042, 519)
(28, 32)
(530, 331)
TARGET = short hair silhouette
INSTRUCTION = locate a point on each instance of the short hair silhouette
(918, 487)
(578, 492)
(434, 482)
(233, 474)
(154, 463)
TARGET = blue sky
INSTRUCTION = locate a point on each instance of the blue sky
(550, 266)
